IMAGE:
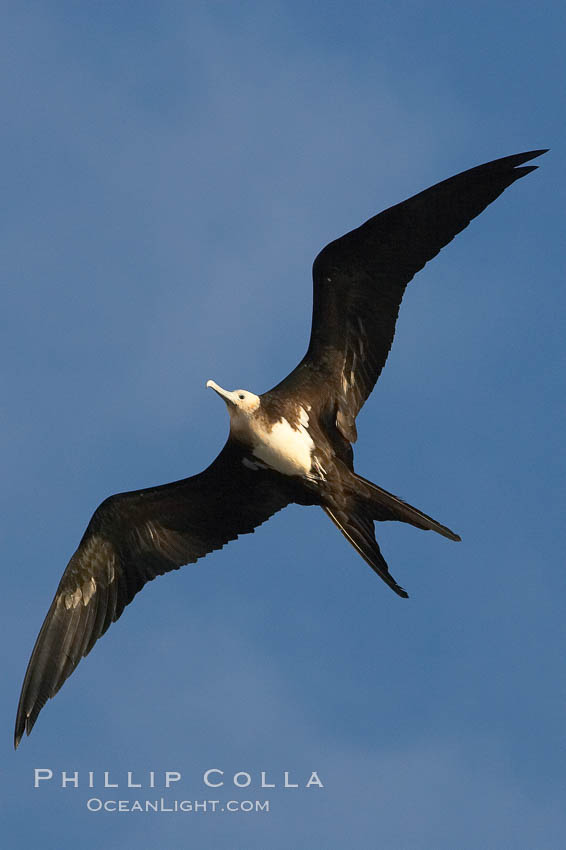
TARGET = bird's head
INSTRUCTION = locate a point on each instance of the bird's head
(241, 404)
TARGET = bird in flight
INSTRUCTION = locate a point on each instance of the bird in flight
(290, 444)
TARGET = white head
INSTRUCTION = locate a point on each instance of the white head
(240, 403)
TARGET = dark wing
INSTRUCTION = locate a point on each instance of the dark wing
(359, 281)
(131, 539)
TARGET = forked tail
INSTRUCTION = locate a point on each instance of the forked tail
(360, 504)
(386, 506)
(357, 528)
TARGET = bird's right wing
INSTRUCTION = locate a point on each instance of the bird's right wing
(132, 538)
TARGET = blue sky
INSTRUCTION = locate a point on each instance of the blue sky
(170, 172)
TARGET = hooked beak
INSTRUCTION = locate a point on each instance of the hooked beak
(224, 394)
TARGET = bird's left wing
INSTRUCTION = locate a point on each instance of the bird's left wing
(359, 281)
(132, 538)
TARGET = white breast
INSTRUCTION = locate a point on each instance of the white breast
(284, 448)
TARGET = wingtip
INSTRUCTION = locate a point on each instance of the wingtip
(533, 154)
(528, 155)
(521, 170)
(447, 532)
(20, 730)
(513, 163)
(24, 724)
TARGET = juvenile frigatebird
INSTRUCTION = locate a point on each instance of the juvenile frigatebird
(291, 444)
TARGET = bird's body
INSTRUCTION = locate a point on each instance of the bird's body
(290, 444)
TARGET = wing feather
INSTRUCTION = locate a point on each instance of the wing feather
(132, 538)
(359, 281)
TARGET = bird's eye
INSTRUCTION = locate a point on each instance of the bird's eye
(242, 396)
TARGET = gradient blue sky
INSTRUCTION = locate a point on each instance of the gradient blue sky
(169, 173)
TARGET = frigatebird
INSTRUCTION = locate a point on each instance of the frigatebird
(290, 444)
